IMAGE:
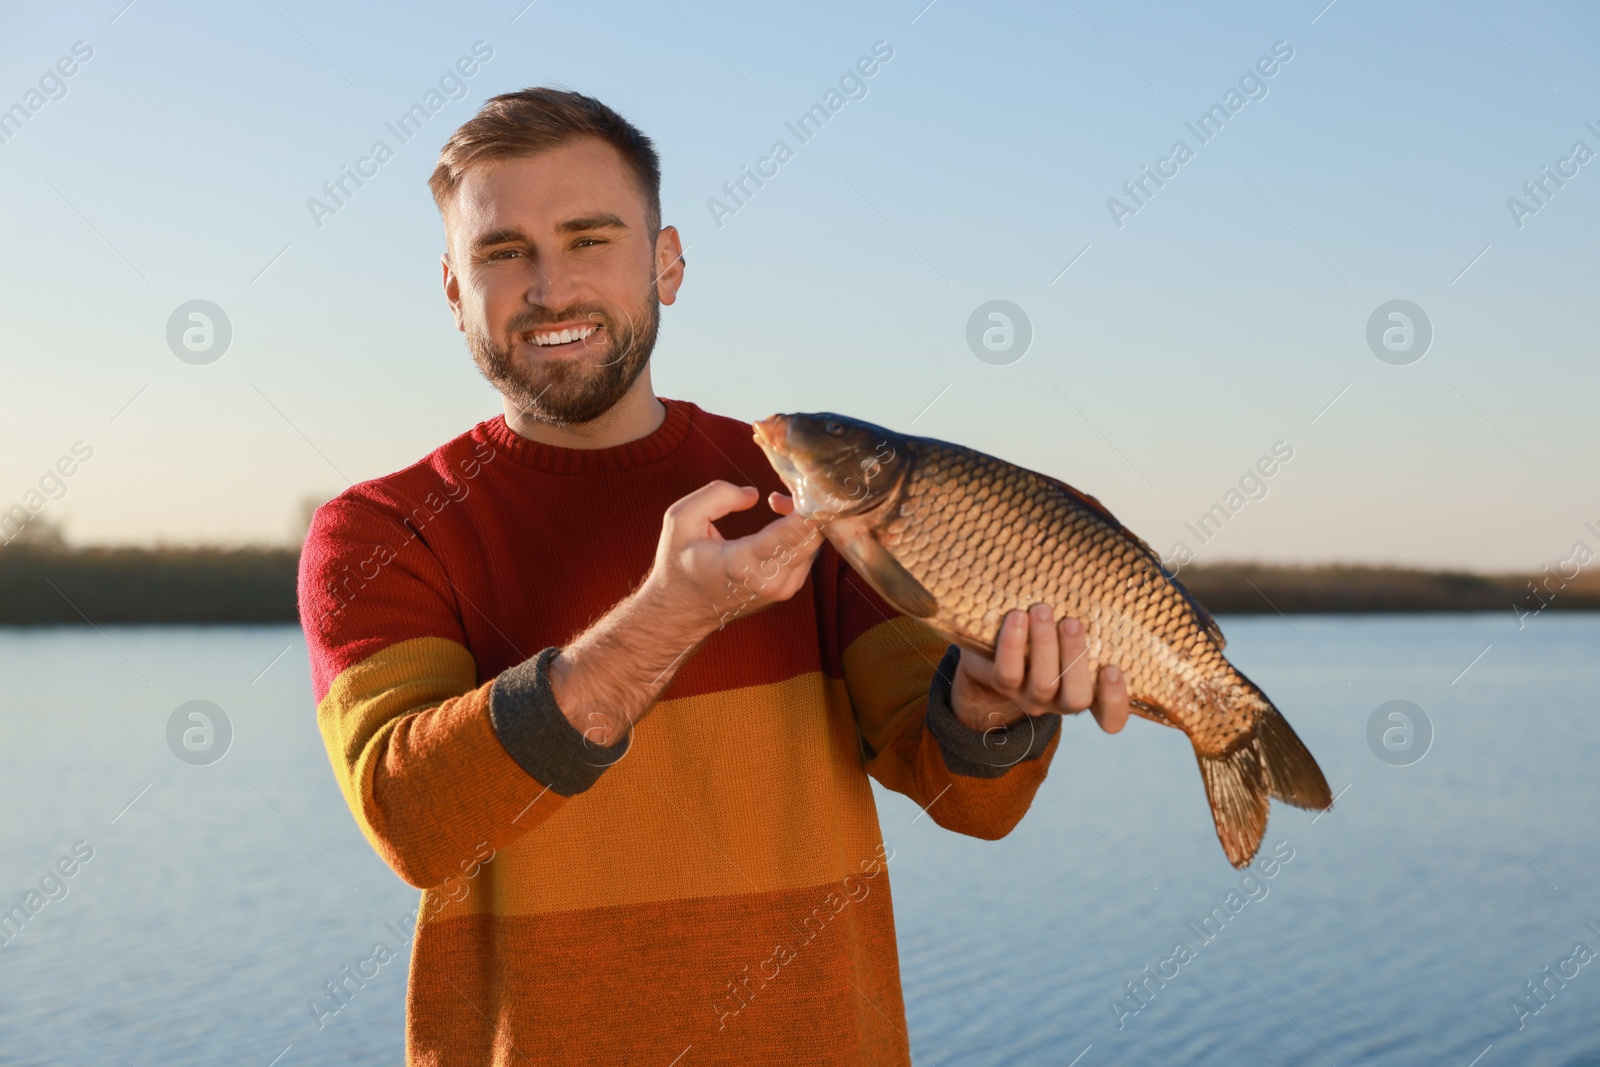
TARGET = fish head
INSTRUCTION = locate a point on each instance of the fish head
(833, 465)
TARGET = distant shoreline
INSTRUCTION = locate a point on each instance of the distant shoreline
(47, 585)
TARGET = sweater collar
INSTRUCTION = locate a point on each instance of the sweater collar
(554, 459)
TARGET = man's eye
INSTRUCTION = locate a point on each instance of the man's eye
(587, 242)
(504, 253)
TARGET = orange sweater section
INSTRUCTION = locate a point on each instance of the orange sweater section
(720, 893)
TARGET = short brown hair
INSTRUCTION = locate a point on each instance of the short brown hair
(537, 119)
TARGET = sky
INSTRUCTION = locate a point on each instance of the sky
(1180, 334)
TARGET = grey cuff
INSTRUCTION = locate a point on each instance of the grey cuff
(538, 736)
(981, 753)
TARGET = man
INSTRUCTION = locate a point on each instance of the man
(632, 781)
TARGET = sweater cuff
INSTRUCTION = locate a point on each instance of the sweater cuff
(981, 753)
(538, 736)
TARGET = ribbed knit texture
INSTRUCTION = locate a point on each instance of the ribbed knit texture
(718, 892)
(537, 733)
(994, 751)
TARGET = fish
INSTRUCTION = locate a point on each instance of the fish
(957, 538)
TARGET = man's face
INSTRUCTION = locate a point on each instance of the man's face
(554, 279)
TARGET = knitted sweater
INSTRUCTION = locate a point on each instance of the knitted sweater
(713, 892)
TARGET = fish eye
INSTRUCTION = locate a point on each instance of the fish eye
(834, 427)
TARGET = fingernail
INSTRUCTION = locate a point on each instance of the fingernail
(1113, 675)
(1072, 627)
(1041, 612)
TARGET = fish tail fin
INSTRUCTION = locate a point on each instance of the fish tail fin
(1236, 786)
(1291, 773)
(1270, 761)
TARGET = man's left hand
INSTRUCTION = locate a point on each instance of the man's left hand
(1040, 667)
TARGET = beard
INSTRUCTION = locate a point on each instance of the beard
(574, 389)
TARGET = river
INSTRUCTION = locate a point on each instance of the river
(217, 898)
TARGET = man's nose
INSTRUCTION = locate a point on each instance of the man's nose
(554, 286)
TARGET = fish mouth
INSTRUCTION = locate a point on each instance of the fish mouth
(772, 434)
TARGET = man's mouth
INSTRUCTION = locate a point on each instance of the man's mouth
(563, 337)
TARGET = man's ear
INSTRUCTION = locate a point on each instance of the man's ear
(452, 290)
(669, 264)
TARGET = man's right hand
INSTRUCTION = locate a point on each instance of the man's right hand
(608, 677)
(697, 568)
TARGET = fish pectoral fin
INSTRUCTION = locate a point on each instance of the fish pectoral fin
(888, 577)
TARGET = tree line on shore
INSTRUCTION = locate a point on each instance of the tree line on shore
(55, 585)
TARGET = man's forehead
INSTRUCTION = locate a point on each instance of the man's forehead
(545, 191)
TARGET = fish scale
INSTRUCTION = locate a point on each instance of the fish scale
(1092, 575)
(958, 539)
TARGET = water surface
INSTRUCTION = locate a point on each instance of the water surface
(220, 898)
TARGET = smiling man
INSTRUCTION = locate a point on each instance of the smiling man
(618, 725)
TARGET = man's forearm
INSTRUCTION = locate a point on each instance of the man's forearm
(610, 675)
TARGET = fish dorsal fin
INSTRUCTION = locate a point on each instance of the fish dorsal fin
(1084, 498)
(1104, 512)
(885, 573)
(1200, 612)
(1202, 616)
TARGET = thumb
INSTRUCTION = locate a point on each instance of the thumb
(973, 668)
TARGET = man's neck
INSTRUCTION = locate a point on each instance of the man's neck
(637, 414)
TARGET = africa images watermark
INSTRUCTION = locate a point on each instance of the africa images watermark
(53, 886)
(1399, 732)
(451, 85)
(742, 989)
(199, 733)
(1567, 569)
(1552, 979)
(52, 486)
(1209, 524)
(344, 588)
(852, 85)
(341, 989)
(1252, 85)
(1153, 977)
(1541, 190)
(51, 85)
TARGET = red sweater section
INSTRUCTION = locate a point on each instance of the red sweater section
(477, 544)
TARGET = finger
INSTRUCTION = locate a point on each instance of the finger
(777, 558)
(784, 536)
(1077, 680)
(780, 503)
(1044, 659)
(697, 511)
(1111, 706)
(1010, 653)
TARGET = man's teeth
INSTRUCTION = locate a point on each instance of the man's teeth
(577, 333)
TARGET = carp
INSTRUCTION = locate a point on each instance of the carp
(956, 539)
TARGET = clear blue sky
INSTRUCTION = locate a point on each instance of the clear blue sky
(1221, 317)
